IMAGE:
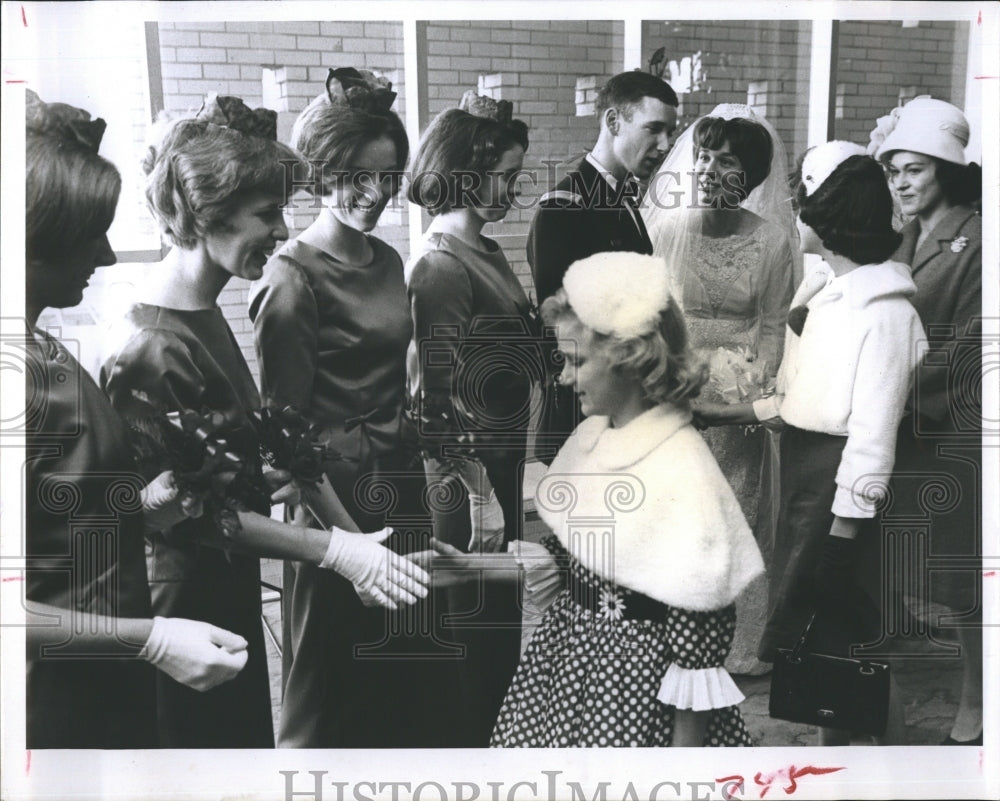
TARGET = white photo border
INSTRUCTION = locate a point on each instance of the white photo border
(891, 772)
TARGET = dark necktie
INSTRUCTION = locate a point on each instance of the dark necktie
(630, 196)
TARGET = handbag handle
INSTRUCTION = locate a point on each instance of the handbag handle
(796, 654)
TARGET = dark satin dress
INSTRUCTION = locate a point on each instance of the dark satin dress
(331, 339)
(473, 337)
(84, 547)
(174, 360)
(476, 349)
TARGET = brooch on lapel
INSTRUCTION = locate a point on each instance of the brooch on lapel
(959, 243)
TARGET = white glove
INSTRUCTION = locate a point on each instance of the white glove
(380, 577)
(197, 654)
(163, 505)
(487, 523)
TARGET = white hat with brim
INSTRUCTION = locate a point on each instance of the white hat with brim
(928, 126)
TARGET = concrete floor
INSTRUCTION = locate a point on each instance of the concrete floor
(929, 687)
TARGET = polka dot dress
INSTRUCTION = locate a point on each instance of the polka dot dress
(591, 674)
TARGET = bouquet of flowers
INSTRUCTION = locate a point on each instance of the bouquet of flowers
(213, 462)
(435, 419)
(220, 465)
(288, 441)
(735, 376)
(441, 438)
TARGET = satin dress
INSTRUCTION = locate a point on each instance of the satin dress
(331, 340)
(173, 360)
(84, 546)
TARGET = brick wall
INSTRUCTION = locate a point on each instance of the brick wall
(535, 65)
(230, 58)
(738, 59)
(539, 66)
(877, 59)
(202, 57)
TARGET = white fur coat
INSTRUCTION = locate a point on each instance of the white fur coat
(647, 506)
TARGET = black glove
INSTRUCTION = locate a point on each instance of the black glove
(834, 583)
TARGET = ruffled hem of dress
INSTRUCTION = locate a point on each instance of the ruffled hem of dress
(698, 690)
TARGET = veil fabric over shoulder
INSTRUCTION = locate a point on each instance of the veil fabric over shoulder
(670, 208)
(735, 274)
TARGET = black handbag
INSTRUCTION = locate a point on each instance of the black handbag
(829, 691)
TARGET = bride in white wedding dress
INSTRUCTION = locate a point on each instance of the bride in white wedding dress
(719, 212)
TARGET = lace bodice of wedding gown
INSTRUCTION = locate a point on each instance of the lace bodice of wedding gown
(737, 290)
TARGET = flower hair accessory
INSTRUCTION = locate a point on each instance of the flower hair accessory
(62, 121)
(621, 294)
(231, 112)
(359, 89)
(822, 160)
(883, 127)
(477, 105)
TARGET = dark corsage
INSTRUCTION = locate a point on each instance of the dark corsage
(212, 461)
(288, 441)
(359, 89)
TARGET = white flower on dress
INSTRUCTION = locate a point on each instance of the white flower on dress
(611, 605)
(959, 243)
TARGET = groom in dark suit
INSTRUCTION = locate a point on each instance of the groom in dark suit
(595, 207)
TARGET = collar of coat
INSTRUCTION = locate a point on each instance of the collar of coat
(938, 241)
(588, 187)
(620, 448)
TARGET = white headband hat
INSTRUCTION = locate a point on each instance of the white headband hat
(822, 160)
(618, 293)
(924, 125)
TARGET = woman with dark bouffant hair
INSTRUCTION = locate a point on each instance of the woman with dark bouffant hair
(719, 215)
(216, 185)
(852, 344)
(465, 175)
(471, 368)
(922, 147)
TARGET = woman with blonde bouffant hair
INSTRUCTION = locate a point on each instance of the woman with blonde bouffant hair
(216, 185)
(630, 651)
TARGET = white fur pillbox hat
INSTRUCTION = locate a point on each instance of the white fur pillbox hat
(620, 294)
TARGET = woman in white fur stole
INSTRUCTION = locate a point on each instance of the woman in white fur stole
(649, 539)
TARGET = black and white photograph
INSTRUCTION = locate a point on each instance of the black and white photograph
(476, 402)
